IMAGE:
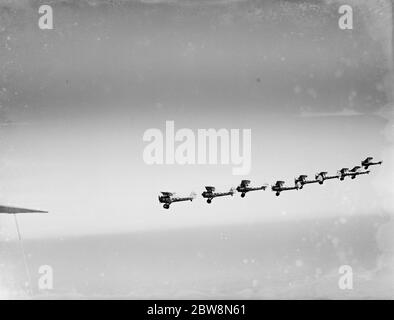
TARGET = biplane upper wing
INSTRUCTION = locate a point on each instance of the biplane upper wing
(210, 189)
(167, 194)
(13, 210)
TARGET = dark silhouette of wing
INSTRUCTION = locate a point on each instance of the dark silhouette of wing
(13, 210)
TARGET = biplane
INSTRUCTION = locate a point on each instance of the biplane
(302, 180)
(210, 193)
(368, 162)
(323, 176)
(169, 197)
(279, 186)
(244, 187)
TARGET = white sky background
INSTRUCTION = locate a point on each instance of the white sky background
(81, 96)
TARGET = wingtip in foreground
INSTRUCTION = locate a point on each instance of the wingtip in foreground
(15, 210)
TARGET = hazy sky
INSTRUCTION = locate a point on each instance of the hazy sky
(75, 102)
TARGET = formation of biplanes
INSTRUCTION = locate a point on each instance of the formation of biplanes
(167, 198)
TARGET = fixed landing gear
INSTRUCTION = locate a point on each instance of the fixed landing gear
(243, 195)
(209, 200)
(166, 206)
(277, 194)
